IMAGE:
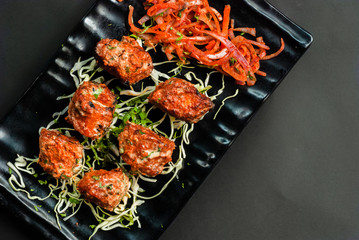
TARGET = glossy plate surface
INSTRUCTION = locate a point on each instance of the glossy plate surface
(209, 141)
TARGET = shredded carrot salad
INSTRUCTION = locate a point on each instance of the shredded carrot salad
(193, 29)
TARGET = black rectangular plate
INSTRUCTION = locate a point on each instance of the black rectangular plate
(209, 141)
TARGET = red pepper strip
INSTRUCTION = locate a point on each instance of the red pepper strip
(261, 73)
(230, 30)
(235, 53)
(211, 44)
(260, 45)
(190, 25)
(261, 53)
(218, 15)
(155, 8)
(231, 34)
(244, 50)
(199, 55)
(225, 23)
(203, 18)
(251, 31)
(215, 47)
(240, 39)
(276, 53)
(179, 52)
(130, 21)
(206, 4)
(157, 27)
(181, 20)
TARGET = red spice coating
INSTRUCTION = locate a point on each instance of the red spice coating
(144, 150)
(104, 188)
(181, 99)
(60, 155)
(91, 109)
(124, 59)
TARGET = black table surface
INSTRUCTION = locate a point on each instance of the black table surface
(293, 173)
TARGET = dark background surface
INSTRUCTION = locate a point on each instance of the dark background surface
(293, 173)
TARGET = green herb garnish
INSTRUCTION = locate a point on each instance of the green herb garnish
(96, 177)
(180, 38)
(233, 61)
(42, 182)
(97, 92)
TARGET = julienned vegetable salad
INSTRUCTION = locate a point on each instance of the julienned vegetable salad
(193, 29)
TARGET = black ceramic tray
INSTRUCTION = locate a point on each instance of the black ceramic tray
(209, 141)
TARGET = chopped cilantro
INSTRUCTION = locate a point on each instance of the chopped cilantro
(110, 47)
(37, 207)
(42, 182)
(128, 69)
(97, 92)
(108, 186)
(250, 76)
(233, 61)
(180, 12)
(142, 115)
(180, 36)
(118, 88)
(65, 176)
